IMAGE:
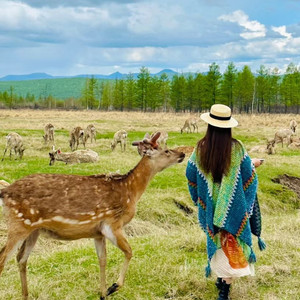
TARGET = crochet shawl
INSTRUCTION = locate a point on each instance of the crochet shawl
(236, 208)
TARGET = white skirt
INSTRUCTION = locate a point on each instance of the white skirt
(221, 267)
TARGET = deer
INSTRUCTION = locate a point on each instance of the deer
(293, 125)
(14, 142)
(281, 134)
(269, 148)
(72, 207)
(76, 135)
(120, 137)
(188, 124)
(78, 156)
(49, 133)
(90, 132)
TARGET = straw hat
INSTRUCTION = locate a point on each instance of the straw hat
(219, 116)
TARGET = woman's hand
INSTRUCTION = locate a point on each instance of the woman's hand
(257, 161)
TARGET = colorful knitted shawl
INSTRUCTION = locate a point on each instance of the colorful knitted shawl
(235, 202)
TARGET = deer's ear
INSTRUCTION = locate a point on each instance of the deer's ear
(147, 136)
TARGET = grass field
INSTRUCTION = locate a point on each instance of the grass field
(169, 253)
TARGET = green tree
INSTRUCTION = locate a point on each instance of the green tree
(178, 92)
(244, 89)
(143, 88)
(200, 92)
(164, 92)
(130, 92)
(228, 83)
(89, 93)
(212, 83)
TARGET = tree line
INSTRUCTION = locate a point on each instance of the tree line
(264, 92)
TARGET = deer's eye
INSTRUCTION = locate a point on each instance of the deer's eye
(167, 151)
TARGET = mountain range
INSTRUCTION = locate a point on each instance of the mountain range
(117, 75)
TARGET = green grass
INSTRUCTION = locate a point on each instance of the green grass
(169, 248)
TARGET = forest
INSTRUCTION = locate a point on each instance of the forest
(264, 91)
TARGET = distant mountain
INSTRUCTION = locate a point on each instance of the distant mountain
(116, 75)
(32, 76)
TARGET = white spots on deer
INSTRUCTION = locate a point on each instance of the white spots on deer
(27, 222)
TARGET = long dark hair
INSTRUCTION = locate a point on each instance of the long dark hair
(214, 151)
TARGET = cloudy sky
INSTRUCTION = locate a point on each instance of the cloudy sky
(69, 37)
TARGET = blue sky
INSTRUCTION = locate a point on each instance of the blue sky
(69, 37)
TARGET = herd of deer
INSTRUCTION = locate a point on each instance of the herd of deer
(71, 207)
(281, 135)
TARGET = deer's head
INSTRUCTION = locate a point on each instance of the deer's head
(53, 155)
(160, 158)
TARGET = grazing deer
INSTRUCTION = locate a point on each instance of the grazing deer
(188, 124)
(49, 133)
(282, 134)
(120, 137)
(72, 207)
(293, 125)
(78, 156)
(76, 135)
(14, 142)
(90, 132)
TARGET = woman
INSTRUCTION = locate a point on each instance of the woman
(223, 183)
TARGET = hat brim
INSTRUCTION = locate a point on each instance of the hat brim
(219, 123)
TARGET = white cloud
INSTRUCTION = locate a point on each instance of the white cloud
(282, 31)
(254, 29)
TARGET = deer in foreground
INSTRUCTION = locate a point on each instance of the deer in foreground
(49, 133)
(72, 207)
(78, 156)
(188, 124)
(76, 135)
(14, 142)
(120, 137)
(90, 133)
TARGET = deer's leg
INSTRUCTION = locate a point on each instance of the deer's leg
(4, 153)
(121, 242)
(100, 244)
(22, 258)
(14, 240)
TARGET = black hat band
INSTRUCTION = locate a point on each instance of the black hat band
(219, 118)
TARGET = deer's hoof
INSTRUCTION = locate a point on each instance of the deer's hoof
(112, 289)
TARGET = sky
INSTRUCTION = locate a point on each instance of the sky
(71, 37)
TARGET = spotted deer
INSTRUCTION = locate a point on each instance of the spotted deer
(49, 133)
(188, 124)
(72, 207)
(14, 142)
(90, 133)
(76, 135)
(120, 137)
